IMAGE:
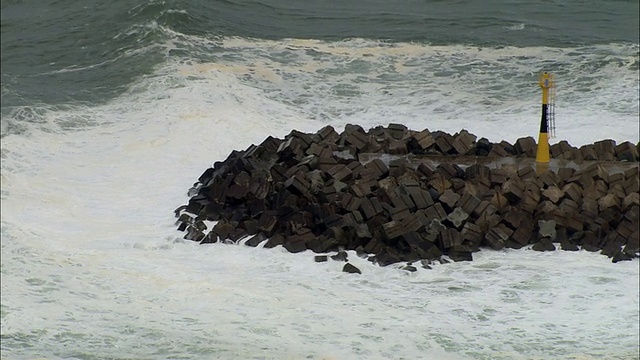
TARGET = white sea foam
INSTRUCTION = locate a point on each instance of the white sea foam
(436, 86)
(515, 27)
(92, 264)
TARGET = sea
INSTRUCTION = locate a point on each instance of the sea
(111, 110)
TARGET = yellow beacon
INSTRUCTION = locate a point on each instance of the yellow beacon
(547, 122)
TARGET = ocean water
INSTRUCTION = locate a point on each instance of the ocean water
(111, 111)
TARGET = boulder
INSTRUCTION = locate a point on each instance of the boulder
(256, 239)
(340, 256)
(544, 244)
(348, 268)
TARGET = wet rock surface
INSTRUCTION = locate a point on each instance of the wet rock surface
(398, 195)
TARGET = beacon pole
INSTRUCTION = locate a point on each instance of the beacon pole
(542, 155)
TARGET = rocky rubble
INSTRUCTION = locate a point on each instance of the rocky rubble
(399, 195)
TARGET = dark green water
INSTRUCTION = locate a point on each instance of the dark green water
(56, 53)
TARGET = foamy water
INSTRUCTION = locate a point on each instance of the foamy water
(92, 264)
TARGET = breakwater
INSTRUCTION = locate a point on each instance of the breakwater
(397, 195)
